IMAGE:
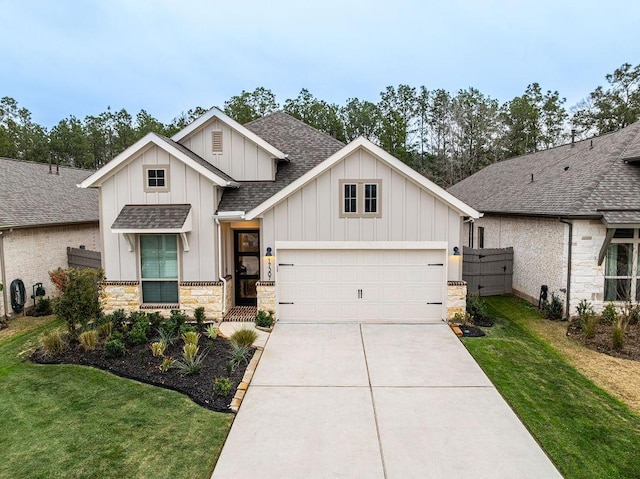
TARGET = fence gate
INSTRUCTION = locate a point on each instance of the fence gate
(83, 258)
(488, 272)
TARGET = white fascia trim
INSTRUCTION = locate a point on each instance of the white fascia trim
(95, 179)
(338, 156)
(231, 123)
(229, 215)
(370, 245)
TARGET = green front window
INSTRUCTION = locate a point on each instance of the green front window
(159, 268)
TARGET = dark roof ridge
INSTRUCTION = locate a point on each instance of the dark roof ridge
(282, 112)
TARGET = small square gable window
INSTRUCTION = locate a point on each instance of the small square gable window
(360, 198)
(157, 178)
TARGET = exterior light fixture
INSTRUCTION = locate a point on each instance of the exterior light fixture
(456, 251)
(269, 255)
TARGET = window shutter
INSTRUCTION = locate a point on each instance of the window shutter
(216, 141)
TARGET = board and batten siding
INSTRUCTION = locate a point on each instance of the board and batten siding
(186, 186)
(242, 159)
(409, 213)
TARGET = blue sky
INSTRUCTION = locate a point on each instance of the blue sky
(66, 57)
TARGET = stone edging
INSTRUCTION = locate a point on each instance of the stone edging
(246, 380)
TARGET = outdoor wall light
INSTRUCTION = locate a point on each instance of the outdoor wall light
(269, 255)
(456, 251)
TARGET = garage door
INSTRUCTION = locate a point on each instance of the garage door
(368, 285)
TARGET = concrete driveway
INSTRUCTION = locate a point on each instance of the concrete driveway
(375, 401)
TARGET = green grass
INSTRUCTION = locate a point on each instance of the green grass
(73, 421)
(585, 431)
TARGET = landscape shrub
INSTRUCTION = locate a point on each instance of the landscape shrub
(115, 348)
(187, 328)
(244, 337)
(88, 340)
(105, 329)
(589, 324)
(191, 361)
(158, 348)
(212, 331)
(43, 307)
(475, 306)
(139, 333)
(117, 318)
(52, 342)
(553, 309)
(584, 309)
(79, 300)
(155, 319)
(239, 354)
(199, 316)
(222, 386)
(167, 334)
(167, 363)
(177, 319)
(191, 337)
(609, 313)
(264, 319)
(618, 332)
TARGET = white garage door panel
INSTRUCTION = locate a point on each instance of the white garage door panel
(360, 285)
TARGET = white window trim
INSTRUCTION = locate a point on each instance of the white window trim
(155, 189)
(360, 199)
(635, 280)
(141, 279)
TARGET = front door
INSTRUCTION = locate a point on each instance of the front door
(247, 265)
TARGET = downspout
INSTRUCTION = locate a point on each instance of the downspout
(471, 221)
(224, 281)
(3, 272)
(568, 305)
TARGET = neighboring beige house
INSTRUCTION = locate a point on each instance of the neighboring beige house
(42, 212)
(572, 215)
(278, 215)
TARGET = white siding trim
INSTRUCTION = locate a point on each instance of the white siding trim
(380, 154)
(434, 245)
(231, 123)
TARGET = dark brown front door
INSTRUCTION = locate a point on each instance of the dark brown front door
(247, 263)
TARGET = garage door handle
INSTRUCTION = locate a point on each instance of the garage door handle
(284, 302)
(435, 264)
(435, 303)
(285, 264)
(359, 294)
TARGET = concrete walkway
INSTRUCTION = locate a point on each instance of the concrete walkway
(375, 401)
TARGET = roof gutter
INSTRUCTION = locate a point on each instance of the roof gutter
(229, 215)
(3, 271)
(567, 308)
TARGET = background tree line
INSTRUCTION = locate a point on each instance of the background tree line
(446, 136)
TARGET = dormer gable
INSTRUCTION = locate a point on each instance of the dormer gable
(230, 147)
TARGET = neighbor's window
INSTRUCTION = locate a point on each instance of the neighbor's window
(157, 178)
(159, 268)
(621, 282)
(360, 198)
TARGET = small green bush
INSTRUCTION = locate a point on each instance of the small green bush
(187, 328)
(191, 337)
(199, 316)
(118, 318)
(222, 386)
(609, 313)
(115, 348)
(475, 307)
(167, 363)
(52, 343)
(191, 362)
(618, 334)
(584, 309)
(212, 331)
(88, 340)
(244, 337)
(553, 309)
(43, 307)
(264, 319)
(105, 330)
(589, 324)
(239, 354)
(158, 348)
(139, 333)
(177, 318)
(79, 300)
(167, 335)
(155, 319)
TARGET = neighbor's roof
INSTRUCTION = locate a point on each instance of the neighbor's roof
(596, 177)
(305, 147)
(30, 196)
(151, 217)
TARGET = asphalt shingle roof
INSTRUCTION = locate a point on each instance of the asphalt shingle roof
(305, 146)
(581, 180)
(30, 196)
(146, 217)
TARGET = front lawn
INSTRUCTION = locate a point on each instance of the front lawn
(73, 421)
(586, 432)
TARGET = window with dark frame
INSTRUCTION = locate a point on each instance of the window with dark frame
(480, 236)
(157, 178)
(350, 198)
(360, 198)
(159, 268)
(622, 272)
(371, 198)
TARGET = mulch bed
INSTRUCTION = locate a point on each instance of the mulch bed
(602, 341)
(141, 365)
(469, 331)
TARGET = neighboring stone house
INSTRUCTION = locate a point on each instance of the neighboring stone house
(572, 215)
(276, 215)
(42, 212)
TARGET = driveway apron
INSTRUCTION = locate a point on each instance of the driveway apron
(372, 401)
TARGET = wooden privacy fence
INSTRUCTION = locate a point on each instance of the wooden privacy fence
(83, 258)
(488, 272)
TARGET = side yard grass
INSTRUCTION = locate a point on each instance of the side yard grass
(73, 421)
(586, 432)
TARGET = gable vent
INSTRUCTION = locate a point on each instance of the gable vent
(216, 141)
